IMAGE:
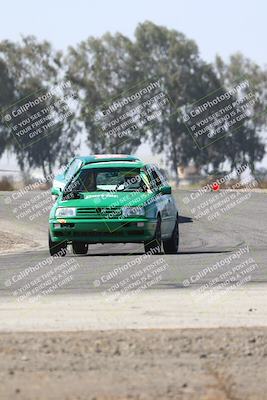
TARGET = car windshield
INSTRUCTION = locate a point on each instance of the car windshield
(108, 179)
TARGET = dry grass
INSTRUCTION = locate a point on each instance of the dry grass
(6, 183)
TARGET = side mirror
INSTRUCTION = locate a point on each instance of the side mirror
(165, 190)
(55, 191)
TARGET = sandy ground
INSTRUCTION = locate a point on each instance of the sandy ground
(75, 346)
(152, 309)
(16, 238)
(209, 364)
(20, 234)
(12, 243)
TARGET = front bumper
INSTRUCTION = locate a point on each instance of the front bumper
(128, 230)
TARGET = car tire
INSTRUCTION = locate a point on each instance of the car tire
(154, 246)
(171, 245)
(57, 249)
(79, 247)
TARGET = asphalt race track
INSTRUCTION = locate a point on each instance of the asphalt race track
(202, 244)
(91, 337)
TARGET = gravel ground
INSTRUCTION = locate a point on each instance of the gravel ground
(205, 364)
(11, 242)
(144, 364)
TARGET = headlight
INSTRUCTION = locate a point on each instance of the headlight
(65, 212)
(132, 211)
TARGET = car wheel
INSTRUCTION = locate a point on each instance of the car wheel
(171, 245)
(57, 249)
(79, 247)
(154, 246)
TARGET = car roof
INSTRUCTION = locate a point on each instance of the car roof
(115, 164)
(96, 158)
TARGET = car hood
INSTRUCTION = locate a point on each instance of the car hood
(105, 199)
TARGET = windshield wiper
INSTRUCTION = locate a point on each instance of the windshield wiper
(72, 194)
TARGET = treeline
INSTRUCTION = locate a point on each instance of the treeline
(101, 69)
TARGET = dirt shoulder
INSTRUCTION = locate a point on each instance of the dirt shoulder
(11, 242)
(182, 364)
(17, 232)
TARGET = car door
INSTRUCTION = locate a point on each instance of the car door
(168, 205)
(156, 183)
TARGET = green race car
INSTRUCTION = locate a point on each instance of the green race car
(114, 199)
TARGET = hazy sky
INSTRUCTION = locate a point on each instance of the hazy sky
(218, 27)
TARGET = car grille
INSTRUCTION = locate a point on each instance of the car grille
(99, 213)
(97, 234)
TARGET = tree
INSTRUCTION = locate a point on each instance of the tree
(102, 70)
(174, 59)
(246, 145)
(35, 69)
(7, 93)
